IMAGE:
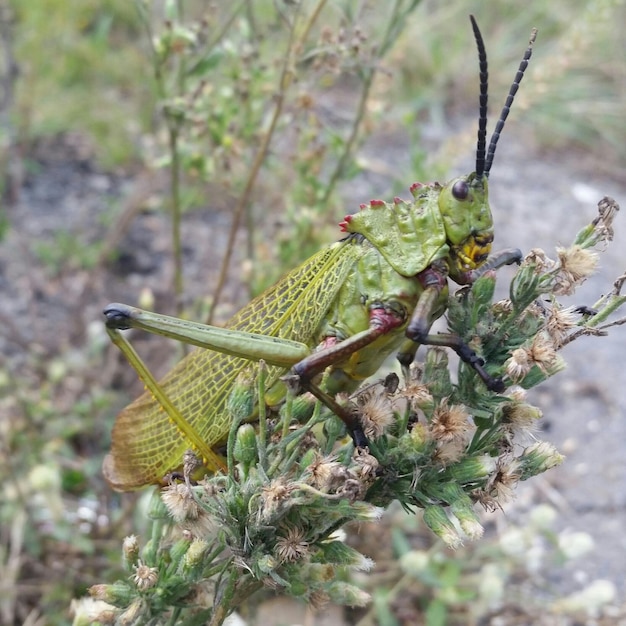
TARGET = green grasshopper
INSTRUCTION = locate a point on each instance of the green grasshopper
(342, 312)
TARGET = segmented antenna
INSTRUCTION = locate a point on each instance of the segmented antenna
(482, 111)
(509, 101)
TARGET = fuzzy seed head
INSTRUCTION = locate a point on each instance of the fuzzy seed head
(542, 352)
(576, 264)
(502, 482)
(195, 554)
(418, 396)
(376, 413)
(449, 423)
(560, 321)
(521, 418)
(180, 502)
(273, 497)
(322, 472)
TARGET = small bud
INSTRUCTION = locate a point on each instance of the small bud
(156, 507)
(242, 398)
(130, 551)
(339, 553)
(118, 594)
(245, 449)
(193, 561)
(179, 550)
(538, 458)
(348, 595)
(436, 519)
(267, 563)
(366, 512)
(415, 189)
(86, 611)
(473, 469)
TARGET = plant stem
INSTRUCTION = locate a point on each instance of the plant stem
(284, 83)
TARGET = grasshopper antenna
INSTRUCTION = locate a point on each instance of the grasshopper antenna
(482, 111)
(509, 100)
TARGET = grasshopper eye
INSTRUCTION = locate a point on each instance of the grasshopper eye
(460, 190)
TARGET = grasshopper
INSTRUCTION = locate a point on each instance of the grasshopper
(342, 312)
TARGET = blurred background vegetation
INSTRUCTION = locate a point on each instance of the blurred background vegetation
(121, 122)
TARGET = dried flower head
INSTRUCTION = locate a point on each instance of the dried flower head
(292, 546)
(521, 418)
(603, 224)
(502, 482)
(367, 465)
(448, 452)
(130, 550)
(540, 260)
(274, 497)
(576, 264)
(559, 322)
(375, 413)
(321, 472)
(180, 503)
(418, 396)
(449, 423)
(542, 352)
(519, 364)
(145, 577)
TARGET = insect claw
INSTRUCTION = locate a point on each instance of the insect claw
(293, 382)
(117, 315)
(495, 384)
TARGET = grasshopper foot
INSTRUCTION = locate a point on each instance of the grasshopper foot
(117, 315)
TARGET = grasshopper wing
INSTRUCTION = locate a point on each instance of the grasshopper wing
(146, 444)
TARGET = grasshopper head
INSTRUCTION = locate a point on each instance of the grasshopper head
(464, 207)
(463, 202)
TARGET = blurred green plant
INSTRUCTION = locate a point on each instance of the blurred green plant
(435, 445)
(232, 101)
